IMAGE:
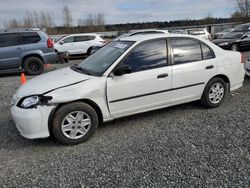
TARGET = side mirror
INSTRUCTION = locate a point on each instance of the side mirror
(61, 43)
(122, 69)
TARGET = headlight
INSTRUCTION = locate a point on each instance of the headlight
(33, 101)
(30, 101)
(224, 44)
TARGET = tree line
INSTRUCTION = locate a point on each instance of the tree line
(44, 19)
(96, 22)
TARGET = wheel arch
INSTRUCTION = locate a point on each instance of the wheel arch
(89, 50)
(224, 78)
(87, 101)
(31, 55)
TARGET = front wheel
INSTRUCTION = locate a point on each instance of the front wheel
(74, 123)
(214, 93)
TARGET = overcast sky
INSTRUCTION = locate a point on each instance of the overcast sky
(120, 11)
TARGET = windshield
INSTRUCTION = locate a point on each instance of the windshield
(242, 27)
(100, 61)
(58, 38)
(232, 35)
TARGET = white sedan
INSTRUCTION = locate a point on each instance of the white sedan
(133, 75)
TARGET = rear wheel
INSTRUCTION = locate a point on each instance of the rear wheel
(33, 66)
(74, 123)
(235, 47)
(214, 93)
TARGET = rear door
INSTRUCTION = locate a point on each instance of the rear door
(82, 43)
(147, 86)
(10, 50)
(194, 65)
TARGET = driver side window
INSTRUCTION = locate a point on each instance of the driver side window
(68, 40)
(149, 55)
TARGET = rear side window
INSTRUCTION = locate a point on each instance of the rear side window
(206, 52)
(9, 39)
(149, 55)
(83, 38)
(186, 50)
(29, 38)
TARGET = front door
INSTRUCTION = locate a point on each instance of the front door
(147, 86)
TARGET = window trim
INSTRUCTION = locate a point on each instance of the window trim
(167, 63)
(190, 38)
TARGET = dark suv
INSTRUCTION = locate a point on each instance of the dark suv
(26, 49)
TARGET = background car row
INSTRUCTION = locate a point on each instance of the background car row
(30, 49)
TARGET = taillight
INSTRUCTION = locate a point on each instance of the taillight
(50, 43)
(243, 58)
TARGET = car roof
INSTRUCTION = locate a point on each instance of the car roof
(82, 34)
(140, 38)
(147, 30)
(7, 32)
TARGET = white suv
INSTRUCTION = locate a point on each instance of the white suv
(133, 75)
(78, 43)
(203, 33)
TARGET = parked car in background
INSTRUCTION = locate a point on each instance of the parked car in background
(134, 33)
(242, 27)
(78, 44)
(235, 40)
(25, 49)
(247, 67)
(199, 32)
(129, 76)
(221, 33)
(142, 32)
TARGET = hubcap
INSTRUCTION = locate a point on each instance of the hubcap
(216, 93)
(76, 124)
(34, 66)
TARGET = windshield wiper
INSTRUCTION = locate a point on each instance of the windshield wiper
(80, 69)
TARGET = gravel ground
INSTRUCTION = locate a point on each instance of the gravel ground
(182, 146)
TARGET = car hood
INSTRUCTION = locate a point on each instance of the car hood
(51, 81)
(218, 41)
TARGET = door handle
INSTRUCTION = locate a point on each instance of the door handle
(18, 48)
(162, 75)
(209, 67)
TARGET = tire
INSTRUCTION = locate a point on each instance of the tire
(235, 47)
(89, 51)
(66, 126)
(214, 93)
(33, 66)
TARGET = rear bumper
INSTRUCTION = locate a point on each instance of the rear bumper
(50, 58)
